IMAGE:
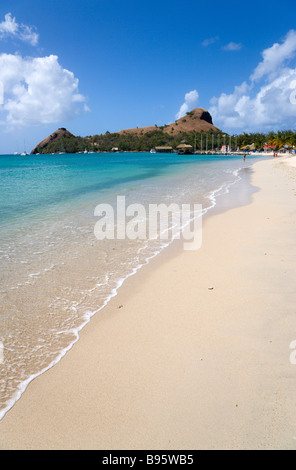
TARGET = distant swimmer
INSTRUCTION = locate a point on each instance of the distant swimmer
(244, 157)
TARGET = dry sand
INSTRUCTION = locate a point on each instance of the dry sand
(179, 365)
(291, 161)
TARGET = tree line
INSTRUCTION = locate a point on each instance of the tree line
(156, 138)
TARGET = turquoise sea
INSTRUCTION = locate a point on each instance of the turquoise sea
(55, 274)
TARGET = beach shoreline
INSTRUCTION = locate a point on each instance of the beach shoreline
(193, 352)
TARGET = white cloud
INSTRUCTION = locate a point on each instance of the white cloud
(38, 91)
(191, 99)
(208, 42)
(264, 101)
(10, 28)
(275, 56)
(232, 46)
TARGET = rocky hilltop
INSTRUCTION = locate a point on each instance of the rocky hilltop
(59, 134)
(197, 120)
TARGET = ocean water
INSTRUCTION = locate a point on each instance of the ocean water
(55, 274)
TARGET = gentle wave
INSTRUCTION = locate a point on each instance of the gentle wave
(212, 197)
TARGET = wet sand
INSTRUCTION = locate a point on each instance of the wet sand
(193, 352)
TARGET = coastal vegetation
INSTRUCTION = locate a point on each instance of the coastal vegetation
(195, 129)
(278, 140)
(143, 142)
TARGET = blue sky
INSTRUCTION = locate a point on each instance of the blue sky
(98, 65)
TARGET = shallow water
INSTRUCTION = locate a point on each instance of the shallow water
(55, 274)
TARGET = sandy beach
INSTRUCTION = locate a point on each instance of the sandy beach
(193, 352)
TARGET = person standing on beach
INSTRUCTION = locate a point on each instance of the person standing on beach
(244, 157)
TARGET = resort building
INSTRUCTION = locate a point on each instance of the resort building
(184, 148)
(164, 149)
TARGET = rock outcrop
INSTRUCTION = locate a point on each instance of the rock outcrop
(61, 132)
(197, 120)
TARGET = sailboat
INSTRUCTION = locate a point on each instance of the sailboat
(24, 153)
